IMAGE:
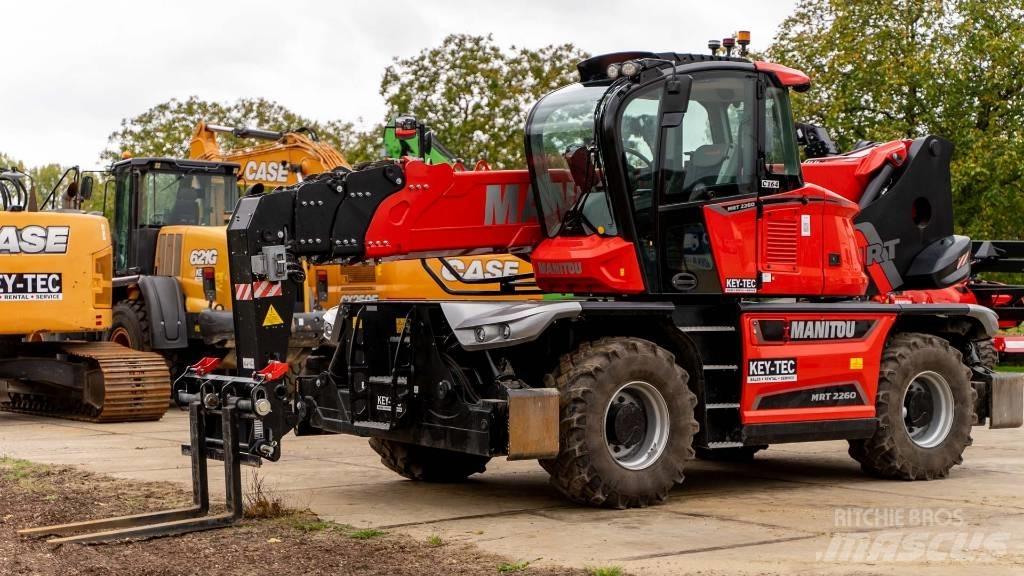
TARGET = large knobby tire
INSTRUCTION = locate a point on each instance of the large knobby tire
(427, 464)
(736, 454)
(130, 325)
(987, 353)
(925, 410)
(627, 423)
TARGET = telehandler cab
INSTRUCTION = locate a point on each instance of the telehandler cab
(722, 303)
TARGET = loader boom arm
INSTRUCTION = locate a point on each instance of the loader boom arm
(390, 210)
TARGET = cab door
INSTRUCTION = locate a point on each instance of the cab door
(789, 230)
(704, 214)
(124, 221)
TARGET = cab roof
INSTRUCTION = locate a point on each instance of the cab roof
(180, 164)
(594, 68)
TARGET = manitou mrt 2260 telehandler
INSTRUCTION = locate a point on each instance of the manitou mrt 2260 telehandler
(723, 304)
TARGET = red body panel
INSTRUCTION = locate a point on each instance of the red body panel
(587, 264)
(849, 174)
(441, 212)
(846, 363)
(802, 245)
(786, 76)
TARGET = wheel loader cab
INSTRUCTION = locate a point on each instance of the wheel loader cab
(683, 178)
(152, 193)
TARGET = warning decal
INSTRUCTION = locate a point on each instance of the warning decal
(22, 286)
(273, 318)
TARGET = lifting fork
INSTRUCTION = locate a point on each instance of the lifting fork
(181, 520)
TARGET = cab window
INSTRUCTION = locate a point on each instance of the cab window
(122, 219)
(782, 160)
(639, 136)
(173, 198)
(710, 155)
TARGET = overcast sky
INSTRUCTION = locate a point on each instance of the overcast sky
(72, 70)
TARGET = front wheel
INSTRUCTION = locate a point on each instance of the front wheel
(130, 325)
(925, 410)
(627, 423)
(427, 464)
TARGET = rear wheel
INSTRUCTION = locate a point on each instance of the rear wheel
(417, 462)
(987, 354)
(130, 326)
(627, 423)
(925, 410)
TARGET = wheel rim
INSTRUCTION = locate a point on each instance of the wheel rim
(928, 409)
(120, 336)
(636, 425)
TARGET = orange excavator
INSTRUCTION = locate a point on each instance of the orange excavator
(285, 158)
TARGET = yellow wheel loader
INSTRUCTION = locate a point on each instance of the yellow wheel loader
(55, 303)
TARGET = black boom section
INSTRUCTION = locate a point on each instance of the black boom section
(912, 213)
(321, 219)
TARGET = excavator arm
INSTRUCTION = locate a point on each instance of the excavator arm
(283, 158)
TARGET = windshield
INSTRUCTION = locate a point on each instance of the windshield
(170, 198)
(562, 129)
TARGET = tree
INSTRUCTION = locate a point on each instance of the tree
(475, 95)
(166, 129)
(884, 70)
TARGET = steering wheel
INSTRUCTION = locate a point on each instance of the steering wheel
(644, 159)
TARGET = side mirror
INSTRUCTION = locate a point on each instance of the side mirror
(676, 100)
(427, 146)
(85, 189)
(581, 166)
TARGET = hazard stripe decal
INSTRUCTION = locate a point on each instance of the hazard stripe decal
(265, 289)
(243, 291)
(258, 289)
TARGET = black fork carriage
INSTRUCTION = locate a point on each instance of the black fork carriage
(194, 518)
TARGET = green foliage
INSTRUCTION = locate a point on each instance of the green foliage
(884, 70)
(476, 95)
(605, 571)
(435, 540)
(509, 567)
(366, 533)
(166, 129)
(9, 162)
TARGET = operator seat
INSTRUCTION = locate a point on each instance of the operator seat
(733, 166)
(184, 210)
(703, 167)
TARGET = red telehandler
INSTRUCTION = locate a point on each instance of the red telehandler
(722, 304)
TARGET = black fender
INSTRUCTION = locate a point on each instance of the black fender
(942, 263)
(165, 306)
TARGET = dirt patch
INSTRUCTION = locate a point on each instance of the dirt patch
(296, 543)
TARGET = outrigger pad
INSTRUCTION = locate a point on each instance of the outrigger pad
(1007, 400)
(532, 423)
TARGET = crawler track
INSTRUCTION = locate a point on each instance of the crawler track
(125, 385)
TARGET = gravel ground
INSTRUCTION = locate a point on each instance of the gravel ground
(296, 543)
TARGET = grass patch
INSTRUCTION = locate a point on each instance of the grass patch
(509, 567)
(21, 471)
(1009, 368)
(261, 503)
(604, 571)
(435, 540)
(366, 533)
(307, 522)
